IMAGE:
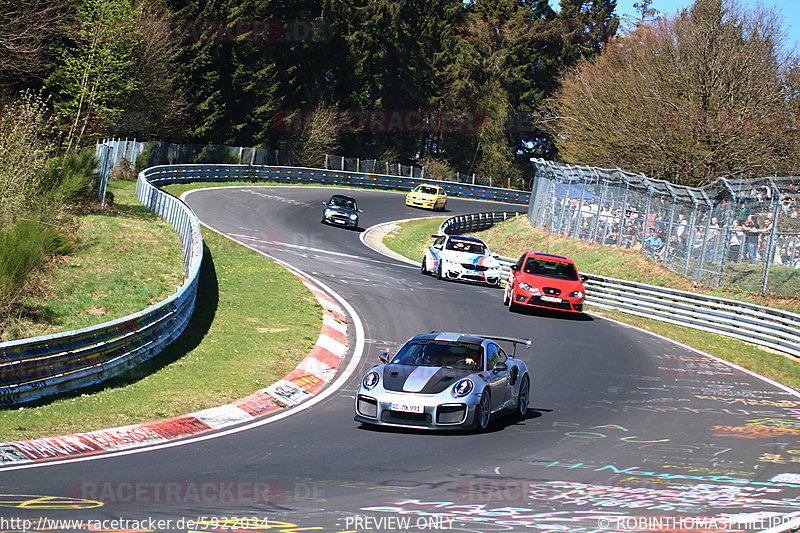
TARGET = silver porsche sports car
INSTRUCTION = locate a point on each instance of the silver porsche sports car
(445, 381)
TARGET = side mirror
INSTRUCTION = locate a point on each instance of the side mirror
(500, 366)
(584, 278)
(514, 268)
(360, 210)
(384, 357)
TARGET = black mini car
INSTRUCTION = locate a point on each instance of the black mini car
(340, 210)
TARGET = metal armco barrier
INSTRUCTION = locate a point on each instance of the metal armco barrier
(31, 369)
(762, 326)
(164, 175)
(476, 221)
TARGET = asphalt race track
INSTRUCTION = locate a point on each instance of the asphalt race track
(628, 431)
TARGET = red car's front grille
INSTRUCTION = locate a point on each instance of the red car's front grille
(536, 300)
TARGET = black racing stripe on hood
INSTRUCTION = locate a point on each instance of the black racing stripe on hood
(396, 376)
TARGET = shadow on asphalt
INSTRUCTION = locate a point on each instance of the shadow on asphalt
(553, 313)
(497, 424)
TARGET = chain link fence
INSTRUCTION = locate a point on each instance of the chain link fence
(743, 232)
(371, 166)
(141, 155)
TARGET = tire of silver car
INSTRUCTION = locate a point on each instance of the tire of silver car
(483, 412)
(523, 396)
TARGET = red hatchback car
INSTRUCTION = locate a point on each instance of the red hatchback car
(544, 280)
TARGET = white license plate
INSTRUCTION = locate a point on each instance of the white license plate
(553, 299)
(339, 221)
(406, 407)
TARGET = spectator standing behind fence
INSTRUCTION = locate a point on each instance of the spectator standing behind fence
(744, 212)
(612, 237)
(751, 233)
(785, 256)
(711, 240)
(588, 210)
(652, 243)
(735, 244)
(764, 240)
(680, 231)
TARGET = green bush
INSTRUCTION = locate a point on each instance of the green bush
(72, 179)
(22, 248)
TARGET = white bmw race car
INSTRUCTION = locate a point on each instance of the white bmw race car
(461, 258)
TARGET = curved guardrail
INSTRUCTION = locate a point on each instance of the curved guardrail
(476, 221)
(763, 326)
(220, 173)
(31, 369)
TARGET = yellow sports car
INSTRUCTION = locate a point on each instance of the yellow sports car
(427, 196)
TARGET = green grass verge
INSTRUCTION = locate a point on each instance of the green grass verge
(253, 323)
(127, 259)
(515, 237)
(412, 237)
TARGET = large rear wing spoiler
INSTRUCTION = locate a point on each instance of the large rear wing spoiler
(513, 340)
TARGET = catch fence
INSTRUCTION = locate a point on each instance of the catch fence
(743, 233)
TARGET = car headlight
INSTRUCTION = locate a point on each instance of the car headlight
(463, 388)
(371, 380)
(576, 294)
(328, 212)
(525, 287)
(353, 217)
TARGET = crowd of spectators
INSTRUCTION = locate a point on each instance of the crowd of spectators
(739, 233)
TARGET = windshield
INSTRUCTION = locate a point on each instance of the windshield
(440, 354)
(338, 201)
(428, 190)
(551, 269)
(466, 246)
